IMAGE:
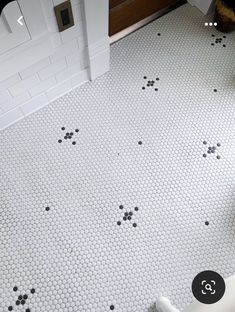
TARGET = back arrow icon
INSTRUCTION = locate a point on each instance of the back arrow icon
(19, 20)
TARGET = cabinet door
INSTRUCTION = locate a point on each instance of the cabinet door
(12, 33)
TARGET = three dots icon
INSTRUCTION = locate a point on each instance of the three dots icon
(211, 24)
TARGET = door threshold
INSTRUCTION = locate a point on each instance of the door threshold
(123, 33)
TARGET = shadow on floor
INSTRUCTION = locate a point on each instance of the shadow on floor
(152, 308)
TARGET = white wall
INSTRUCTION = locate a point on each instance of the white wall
(205, 6)
(80, 53)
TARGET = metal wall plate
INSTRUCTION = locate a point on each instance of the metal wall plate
(64, 15)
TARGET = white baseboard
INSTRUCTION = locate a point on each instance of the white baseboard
(10, 118)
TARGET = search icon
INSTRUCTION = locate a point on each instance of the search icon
(208, 287)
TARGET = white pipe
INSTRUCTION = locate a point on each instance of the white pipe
(163, 305)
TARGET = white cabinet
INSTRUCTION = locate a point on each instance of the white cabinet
(12, 32)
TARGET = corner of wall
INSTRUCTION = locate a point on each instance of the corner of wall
(205, 6)
(97, 38)
(99, 58)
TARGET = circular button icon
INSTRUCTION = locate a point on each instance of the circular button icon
(208, 287)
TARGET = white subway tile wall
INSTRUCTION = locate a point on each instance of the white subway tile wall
(37, 85)
(34, 68)
(52, 69)
(65, 49)
(68, 72)
(43, 86)
(24, 85)
(11, 81)
(73, 58)
(4, 96)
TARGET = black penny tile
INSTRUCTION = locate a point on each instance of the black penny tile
(127, 215)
